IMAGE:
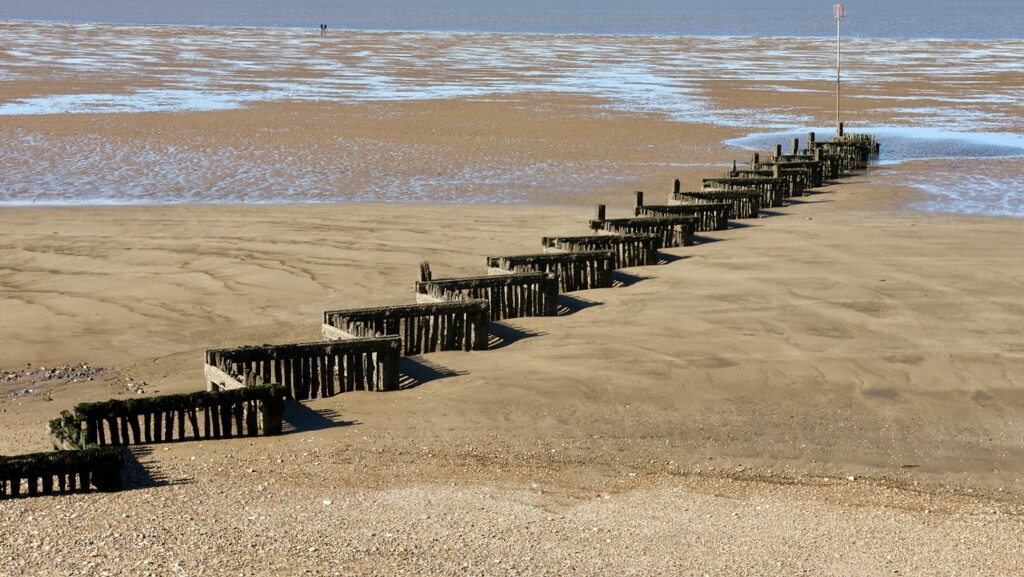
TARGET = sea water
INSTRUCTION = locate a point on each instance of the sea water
(957, 19)
(978, 173)
(650, 57)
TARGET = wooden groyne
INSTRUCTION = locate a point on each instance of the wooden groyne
(247, 411)
(575, 271)
(309, 370)
(247, 386)
(817, 166)
(61, 472)
(630, 249)
(772, 190)
(850, 151)
(423, 327)
(710, 216)
(528, 294)
(673, 231)
(846, 155)
(796, 178)
(742, 204)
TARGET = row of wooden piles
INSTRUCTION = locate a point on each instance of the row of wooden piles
(61, 472)
(89, 440)
(363, 347)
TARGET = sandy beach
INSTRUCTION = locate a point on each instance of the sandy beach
(833, 389)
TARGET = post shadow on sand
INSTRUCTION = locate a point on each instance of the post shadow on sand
(620, 278)
(735, 224)
(300, 418)
(663, 259)
(816, 199)
(569, 304)
(414, 371)
(139, 475)
(502, 334)
(699, 239)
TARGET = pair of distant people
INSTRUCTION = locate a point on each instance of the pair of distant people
(323, 30)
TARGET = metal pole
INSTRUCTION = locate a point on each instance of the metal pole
(838, 67)
(838, 12)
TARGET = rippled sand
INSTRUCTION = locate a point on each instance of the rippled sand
(833, 389)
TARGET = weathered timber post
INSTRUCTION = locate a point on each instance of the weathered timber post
(810, 141)
(778, 151)
(90, 432)
(271, 412)
(425, 274)
(839, 132)
(796, 146)
(676, 186)
(600, 212)
(551, 296)
(107, 479)
(480, 332)
(389, 370)
(639, 195)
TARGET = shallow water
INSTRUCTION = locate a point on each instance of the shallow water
(980, 174)
(904, 143)
(195, 68)
(864, 18)
(938, 99)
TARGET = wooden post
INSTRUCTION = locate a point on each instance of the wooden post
(639, 198)
(123, 422)
(133, 422)
(271, 412)
(90, 432)
(810, 141)
(239, 414)
(252, 426)
(207, 422)
(157, 427)
(214, 412)
(169, 426)
(600, 212)
(193, 419)
(839, 132)
(778, 151)
(796, 146)
(676, 186)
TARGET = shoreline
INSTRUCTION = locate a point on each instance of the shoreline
(834, 389)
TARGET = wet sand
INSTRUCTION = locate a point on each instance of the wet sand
(832, 389)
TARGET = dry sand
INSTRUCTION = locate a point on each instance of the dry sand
(833, 389)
